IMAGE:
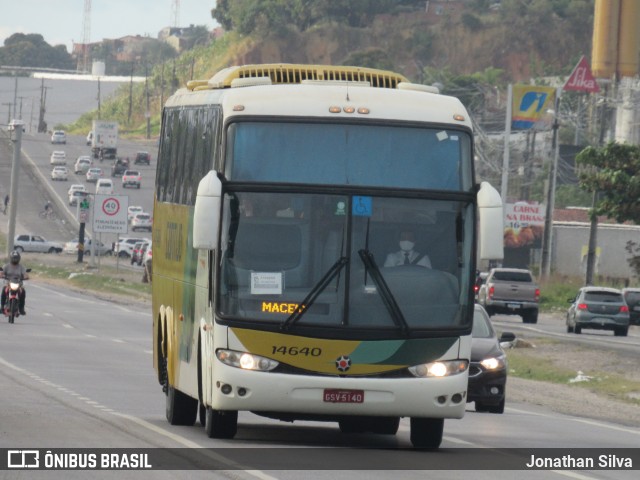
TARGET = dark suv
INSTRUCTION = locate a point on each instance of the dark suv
(120, 165)
(632, 297)
(142, 157)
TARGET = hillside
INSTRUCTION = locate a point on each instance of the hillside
(510, 44)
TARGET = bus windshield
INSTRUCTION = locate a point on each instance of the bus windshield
(349, 154)
(387, 263)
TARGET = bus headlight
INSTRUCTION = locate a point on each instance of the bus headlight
(246, 361)
(440, 369)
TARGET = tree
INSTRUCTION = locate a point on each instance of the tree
(613, 170)
(30, 50)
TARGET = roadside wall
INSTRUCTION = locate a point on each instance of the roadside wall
(570, 245)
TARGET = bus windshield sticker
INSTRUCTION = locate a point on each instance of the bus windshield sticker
(266, 283)
(442, 135)
(341, 208)
(361, 206)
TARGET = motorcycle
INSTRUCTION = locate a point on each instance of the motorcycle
(12, 300)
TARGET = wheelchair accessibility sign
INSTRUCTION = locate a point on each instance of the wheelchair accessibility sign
(362, 206)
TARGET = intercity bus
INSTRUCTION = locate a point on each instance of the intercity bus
(280, 192)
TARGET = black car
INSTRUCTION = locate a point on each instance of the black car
(120, 165)
(488, 367)
(142, 157)
(632, 298)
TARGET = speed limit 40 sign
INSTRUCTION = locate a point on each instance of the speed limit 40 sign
(110, 213)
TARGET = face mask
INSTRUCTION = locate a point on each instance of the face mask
(406, 245)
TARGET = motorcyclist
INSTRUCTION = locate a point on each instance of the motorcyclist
(14, 269)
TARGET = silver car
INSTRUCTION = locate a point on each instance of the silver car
(600, 308)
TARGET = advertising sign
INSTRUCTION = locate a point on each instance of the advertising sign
(110, 214)
(524, 224)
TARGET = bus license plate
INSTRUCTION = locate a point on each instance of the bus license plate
(335, 395)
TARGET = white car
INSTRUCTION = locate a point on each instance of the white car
(104, 186)
(60, 173)
(131, 178)
(94, 174)
(83, 164)
(77, 196)
(141, 221)
(132, 211)
(35, 243)
(90, 137)
(58, 157)
(76, 186)
(59, 136)
(124, 248)
(72, 247)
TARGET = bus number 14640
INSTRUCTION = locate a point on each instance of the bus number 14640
(283, 350)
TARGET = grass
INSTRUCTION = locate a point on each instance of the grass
(105, 280)
(532, 364)
(555, 292)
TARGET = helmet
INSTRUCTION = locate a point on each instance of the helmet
(14, 256)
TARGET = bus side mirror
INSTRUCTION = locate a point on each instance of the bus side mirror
(491, 226)
(206, 214)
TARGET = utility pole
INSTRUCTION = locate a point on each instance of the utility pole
(16, 128)
(98, 98)
(162, 85)
(15, 93)
(147, 113)
(130, 95)
(551, 194)
(9, 114)
(20, 114)
(42, 125)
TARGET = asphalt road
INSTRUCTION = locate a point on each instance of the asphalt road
(36, 186)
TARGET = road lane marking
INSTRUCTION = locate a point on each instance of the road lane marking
(147, 425)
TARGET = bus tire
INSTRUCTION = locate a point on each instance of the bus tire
(181, 409)
(202, 415)
(221, 423)
(426, 433)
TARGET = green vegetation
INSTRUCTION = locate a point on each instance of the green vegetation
(30, 50)
(105, 280)
(535, 364)
(555, 292)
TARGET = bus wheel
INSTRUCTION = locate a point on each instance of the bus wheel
(221, 423)
(202, 414)
(181, 409)
(426, 432)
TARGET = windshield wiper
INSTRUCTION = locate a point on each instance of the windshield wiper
(314, 293)
(385, 293)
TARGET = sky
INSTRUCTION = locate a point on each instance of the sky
(61, 21)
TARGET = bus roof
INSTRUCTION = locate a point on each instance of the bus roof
(374, 94)
(286, 73)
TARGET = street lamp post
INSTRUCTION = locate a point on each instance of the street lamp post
(551, 195)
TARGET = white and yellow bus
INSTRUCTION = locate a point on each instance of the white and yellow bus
(281, 194)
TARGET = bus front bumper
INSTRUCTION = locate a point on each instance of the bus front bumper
(237, 389)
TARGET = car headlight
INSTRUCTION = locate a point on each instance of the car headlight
(494, 363)
(439, 369)
(246, 361)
